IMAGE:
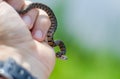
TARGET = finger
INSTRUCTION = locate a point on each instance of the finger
(17, 4)
(41, 26)
(30, 17)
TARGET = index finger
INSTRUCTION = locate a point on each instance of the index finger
(16, 4)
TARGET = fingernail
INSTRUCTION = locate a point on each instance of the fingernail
(38, 34)
(27, 20)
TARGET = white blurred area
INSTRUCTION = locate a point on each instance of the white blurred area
(51, 3)
(95, 22)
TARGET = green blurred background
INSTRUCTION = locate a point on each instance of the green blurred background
(90, 30)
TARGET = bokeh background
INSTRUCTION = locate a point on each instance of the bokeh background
(91, 32)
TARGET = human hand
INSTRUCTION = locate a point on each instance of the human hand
(18, 38)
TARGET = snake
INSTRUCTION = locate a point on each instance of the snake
(50, 40)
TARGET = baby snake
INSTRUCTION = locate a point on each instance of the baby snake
(51, 30)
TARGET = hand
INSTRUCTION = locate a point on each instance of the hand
(18, 38)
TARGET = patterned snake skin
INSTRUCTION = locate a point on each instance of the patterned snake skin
(52, 29)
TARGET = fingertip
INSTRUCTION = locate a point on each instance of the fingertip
(42, 24)
(30, 17)
(40, 30)
(27, 19)
(38, 35)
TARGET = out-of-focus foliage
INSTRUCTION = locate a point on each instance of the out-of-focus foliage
(83, 62)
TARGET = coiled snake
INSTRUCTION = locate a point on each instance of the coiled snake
(51, 30)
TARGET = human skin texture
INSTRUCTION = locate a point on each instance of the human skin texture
(22, 38)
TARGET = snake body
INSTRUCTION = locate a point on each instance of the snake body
(51, 30)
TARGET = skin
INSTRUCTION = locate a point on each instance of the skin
(18, 38)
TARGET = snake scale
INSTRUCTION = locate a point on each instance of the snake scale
(51, 30)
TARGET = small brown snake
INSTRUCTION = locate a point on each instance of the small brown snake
(51, 30)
